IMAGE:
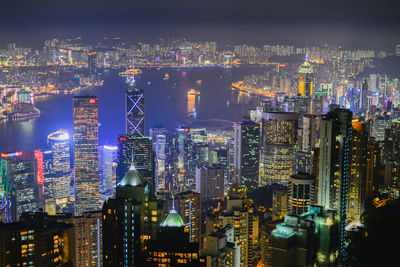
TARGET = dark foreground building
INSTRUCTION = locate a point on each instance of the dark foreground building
(36, 240)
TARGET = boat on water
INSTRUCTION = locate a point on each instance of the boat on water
(166, 77)
(193, 92)
(199, 82)
(130, 72)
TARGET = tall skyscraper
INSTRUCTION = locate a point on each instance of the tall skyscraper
(358, 172)
(107, 168)
(189, 205)
(278, 147)
(61, 166)
(86, 153)
(92, 63)
(210, 182)
(136, 151)
(247, 153)
(306, 79)
(135, 118)
(245, 224)
(334, 170)
(129, 220)
(22, 183)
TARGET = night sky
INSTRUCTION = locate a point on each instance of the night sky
(351, 23)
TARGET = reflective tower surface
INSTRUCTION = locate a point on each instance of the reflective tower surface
(86, 153)
(134, 111)
(278, 147)
(334, 169)
(61, 166)
(247, 153)
(136, 151)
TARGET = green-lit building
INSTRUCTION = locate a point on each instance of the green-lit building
(310, 239)
(172, 247)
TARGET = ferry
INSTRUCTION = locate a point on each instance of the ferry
(130, 72)
(166, 77)
(199, 82)
(193, 92)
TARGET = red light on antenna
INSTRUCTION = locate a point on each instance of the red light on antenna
(92, 101)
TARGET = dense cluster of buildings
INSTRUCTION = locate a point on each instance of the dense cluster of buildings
(179, 198)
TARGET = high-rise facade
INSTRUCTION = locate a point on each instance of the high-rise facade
(92, 63)
(136, 151)
(107, 168)
(221, 249)
(61, 167)
(22, 183)
(301, 193)
(307, 240)
(306, 79)
(86, 161)
(36, 241)
(247, 153)
(358, 171)
(135, 119)
(210, 182)
(162, 252)
(130, 219)
(279, 133)
(334, 169)
(88, 239)
(189, 205)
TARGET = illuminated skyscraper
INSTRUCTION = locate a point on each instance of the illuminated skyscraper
(301, 193)
(306, 79)
(86, 154)
(161, 251)
(334, 169)
(278, 147)
(245, 225)
(108, 168)
(306, 240)
(358, 171)
(22, 183)
(160, 148)
(189, 205)
(136, 151)
(247, 153)
(130, 219)
(61, 166)
(135, 118)
(92, 63)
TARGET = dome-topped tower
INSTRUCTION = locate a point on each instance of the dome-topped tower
(132, 178)
(173, 219)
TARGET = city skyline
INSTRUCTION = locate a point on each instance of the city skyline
(212, 133)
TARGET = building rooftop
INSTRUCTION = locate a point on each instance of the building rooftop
(132, 178)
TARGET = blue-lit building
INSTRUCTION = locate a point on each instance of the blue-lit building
(334, 167)
(135, 112)
(309, 239)
(247, 153)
